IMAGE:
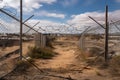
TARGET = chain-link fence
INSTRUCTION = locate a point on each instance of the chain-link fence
(92, 40)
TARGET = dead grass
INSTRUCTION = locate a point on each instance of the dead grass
(114, 67)
(49, 42)
(43, 53)
(92, 52)
(22, 66)
(87, 54)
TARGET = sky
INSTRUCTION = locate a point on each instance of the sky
(59, 13)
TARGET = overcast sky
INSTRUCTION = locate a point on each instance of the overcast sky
(61, 12)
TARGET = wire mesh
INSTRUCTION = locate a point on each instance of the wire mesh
(92, 41)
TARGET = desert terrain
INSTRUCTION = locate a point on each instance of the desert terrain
(64, 66)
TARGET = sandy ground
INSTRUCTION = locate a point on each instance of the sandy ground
(12, 48)
(64, 58)
(64, 66)
(7, 63)
(26, 45)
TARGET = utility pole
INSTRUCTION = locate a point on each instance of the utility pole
(106, 34)
(21, 29)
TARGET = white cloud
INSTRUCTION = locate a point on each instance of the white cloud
(114, 15)
(53, 27)
(28, 5)
(84, 20)
(43, 22)
(12, 27)
(47, 14)
(46, 25)
(47, 1)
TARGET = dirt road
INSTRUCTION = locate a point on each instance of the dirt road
(63, 67)
(64, 58)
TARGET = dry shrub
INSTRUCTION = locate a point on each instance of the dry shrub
(49, 44)
(114, 67)
(61, 70)
(92, 51)
(49, 41)
(80, 55)
(44, 53)
(22, 66)
(97, 37)
(99, 62)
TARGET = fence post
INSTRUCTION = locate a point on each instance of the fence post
(106, 34)
(21, 29)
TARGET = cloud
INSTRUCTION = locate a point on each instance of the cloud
(48, 26)
(69, 2)
(47, 1)
(43, 22)
(28, 5)
(6, 27)
(13, 27)
(53, 27)
(83, 20)
(47, 14)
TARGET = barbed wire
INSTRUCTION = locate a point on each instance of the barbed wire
(5, 8)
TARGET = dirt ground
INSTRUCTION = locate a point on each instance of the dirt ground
(64, 66)
(64, 58)
(7, 62)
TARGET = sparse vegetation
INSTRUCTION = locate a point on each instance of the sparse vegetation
(114, 67)
(98, 73)
(91, 52)
(22, 66)
(49, 41)
(99, 62)
(43, 53)
(97, 37)
(95, 51)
